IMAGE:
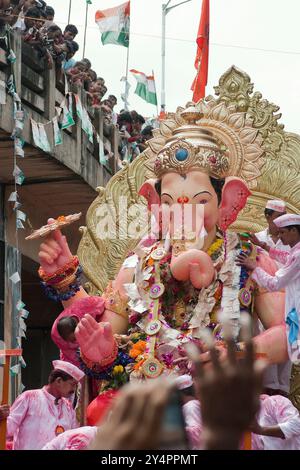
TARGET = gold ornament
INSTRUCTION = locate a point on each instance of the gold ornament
(114, 302)
(179, 312)
(201, 153)
(152, 368)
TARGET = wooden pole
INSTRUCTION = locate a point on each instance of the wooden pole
(4, 402)
(248, 441)
(8, 353)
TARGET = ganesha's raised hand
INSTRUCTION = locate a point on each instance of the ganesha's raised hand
(54, 251)
(96, 340)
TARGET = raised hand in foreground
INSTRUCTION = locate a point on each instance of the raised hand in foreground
(136, 417)
(228, 392)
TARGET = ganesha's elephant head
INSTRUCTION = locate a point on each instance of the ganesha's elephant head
(191, 198)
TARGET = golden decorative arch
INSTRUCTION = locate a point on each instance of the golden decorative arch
(262, 153)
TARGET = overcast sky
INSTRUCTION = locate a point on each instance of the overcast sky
(260, 37)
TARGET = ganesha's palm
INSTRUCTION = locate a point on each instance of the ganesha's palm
(99, 344)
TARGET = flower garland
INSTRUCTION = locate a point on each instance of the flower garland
(246, 284)
(215, 249)
(114, 374)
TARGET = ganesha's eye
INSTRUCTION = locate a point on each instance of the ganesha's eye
(203, 201)
(166, 203)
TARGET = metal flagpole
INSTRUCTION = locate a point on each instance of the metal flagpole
(165, 10)
(127, 86)
(85, 28)
(155, 92)
(70, 7)
(126, 82)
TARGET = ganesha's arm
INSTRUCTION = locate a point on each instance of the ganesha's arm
(79, 295)
(116, 301)
(124, 276)
(270, 307)
(272, 343)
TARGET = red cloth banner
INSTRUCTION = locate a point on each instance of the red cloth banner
(201, 61)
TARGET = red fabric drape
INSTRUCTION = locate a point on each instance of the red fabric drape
(201, 61)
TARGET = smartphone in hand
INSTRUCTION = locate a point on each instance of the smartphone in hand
(172, 434)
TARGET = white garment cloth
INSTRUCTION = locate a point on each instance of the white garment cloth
(74, 439)
(36, 419)
(20, 23)
(193, 422)
(265, 237)
(277, 376)
(278, 410)
(287, 277)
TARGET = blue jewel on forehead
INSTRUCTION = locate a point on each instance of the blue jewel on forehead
(181, 154)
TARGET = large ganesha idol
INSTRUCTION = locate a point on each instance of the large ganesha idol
(169, 288)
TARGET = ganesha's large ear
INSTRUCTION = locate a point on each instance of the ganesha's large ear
(149, 192)
(234, 197)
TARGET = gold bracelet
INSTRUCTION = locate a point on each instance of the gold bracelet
(71, 266)
(114, 302)
(65, 283)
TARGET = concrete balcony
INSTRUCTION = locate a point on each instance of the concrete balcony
(64, 180)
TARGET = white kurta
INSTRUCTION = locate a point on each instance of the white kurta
(278, 410)
(264, 236)
(193, 423)
(287, 277)
(276, 376)
(35, 419)
(74, 439)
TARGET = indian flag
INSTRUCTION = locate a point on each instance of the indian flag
(145, 86)
(114, 24)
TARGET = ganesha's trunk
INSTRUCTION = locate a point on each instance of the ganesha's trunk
(201, 277)
(194, 265)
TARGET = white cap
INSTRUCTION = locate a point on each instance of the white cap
(184, 381)
(286, 220)
(68, 368)
(276, 205)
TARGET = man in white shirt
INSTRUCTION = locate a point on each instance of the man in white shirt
(74, 439)
(287, 277)
(191, 410)
(277, 376)
(278, 425)
(37, 416)
(269, 237)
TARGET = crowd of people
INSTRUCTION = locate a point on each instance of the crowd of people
(219, 406)
(35, 20)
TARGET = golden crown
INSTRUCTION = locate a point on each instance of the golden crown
(192, 148)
